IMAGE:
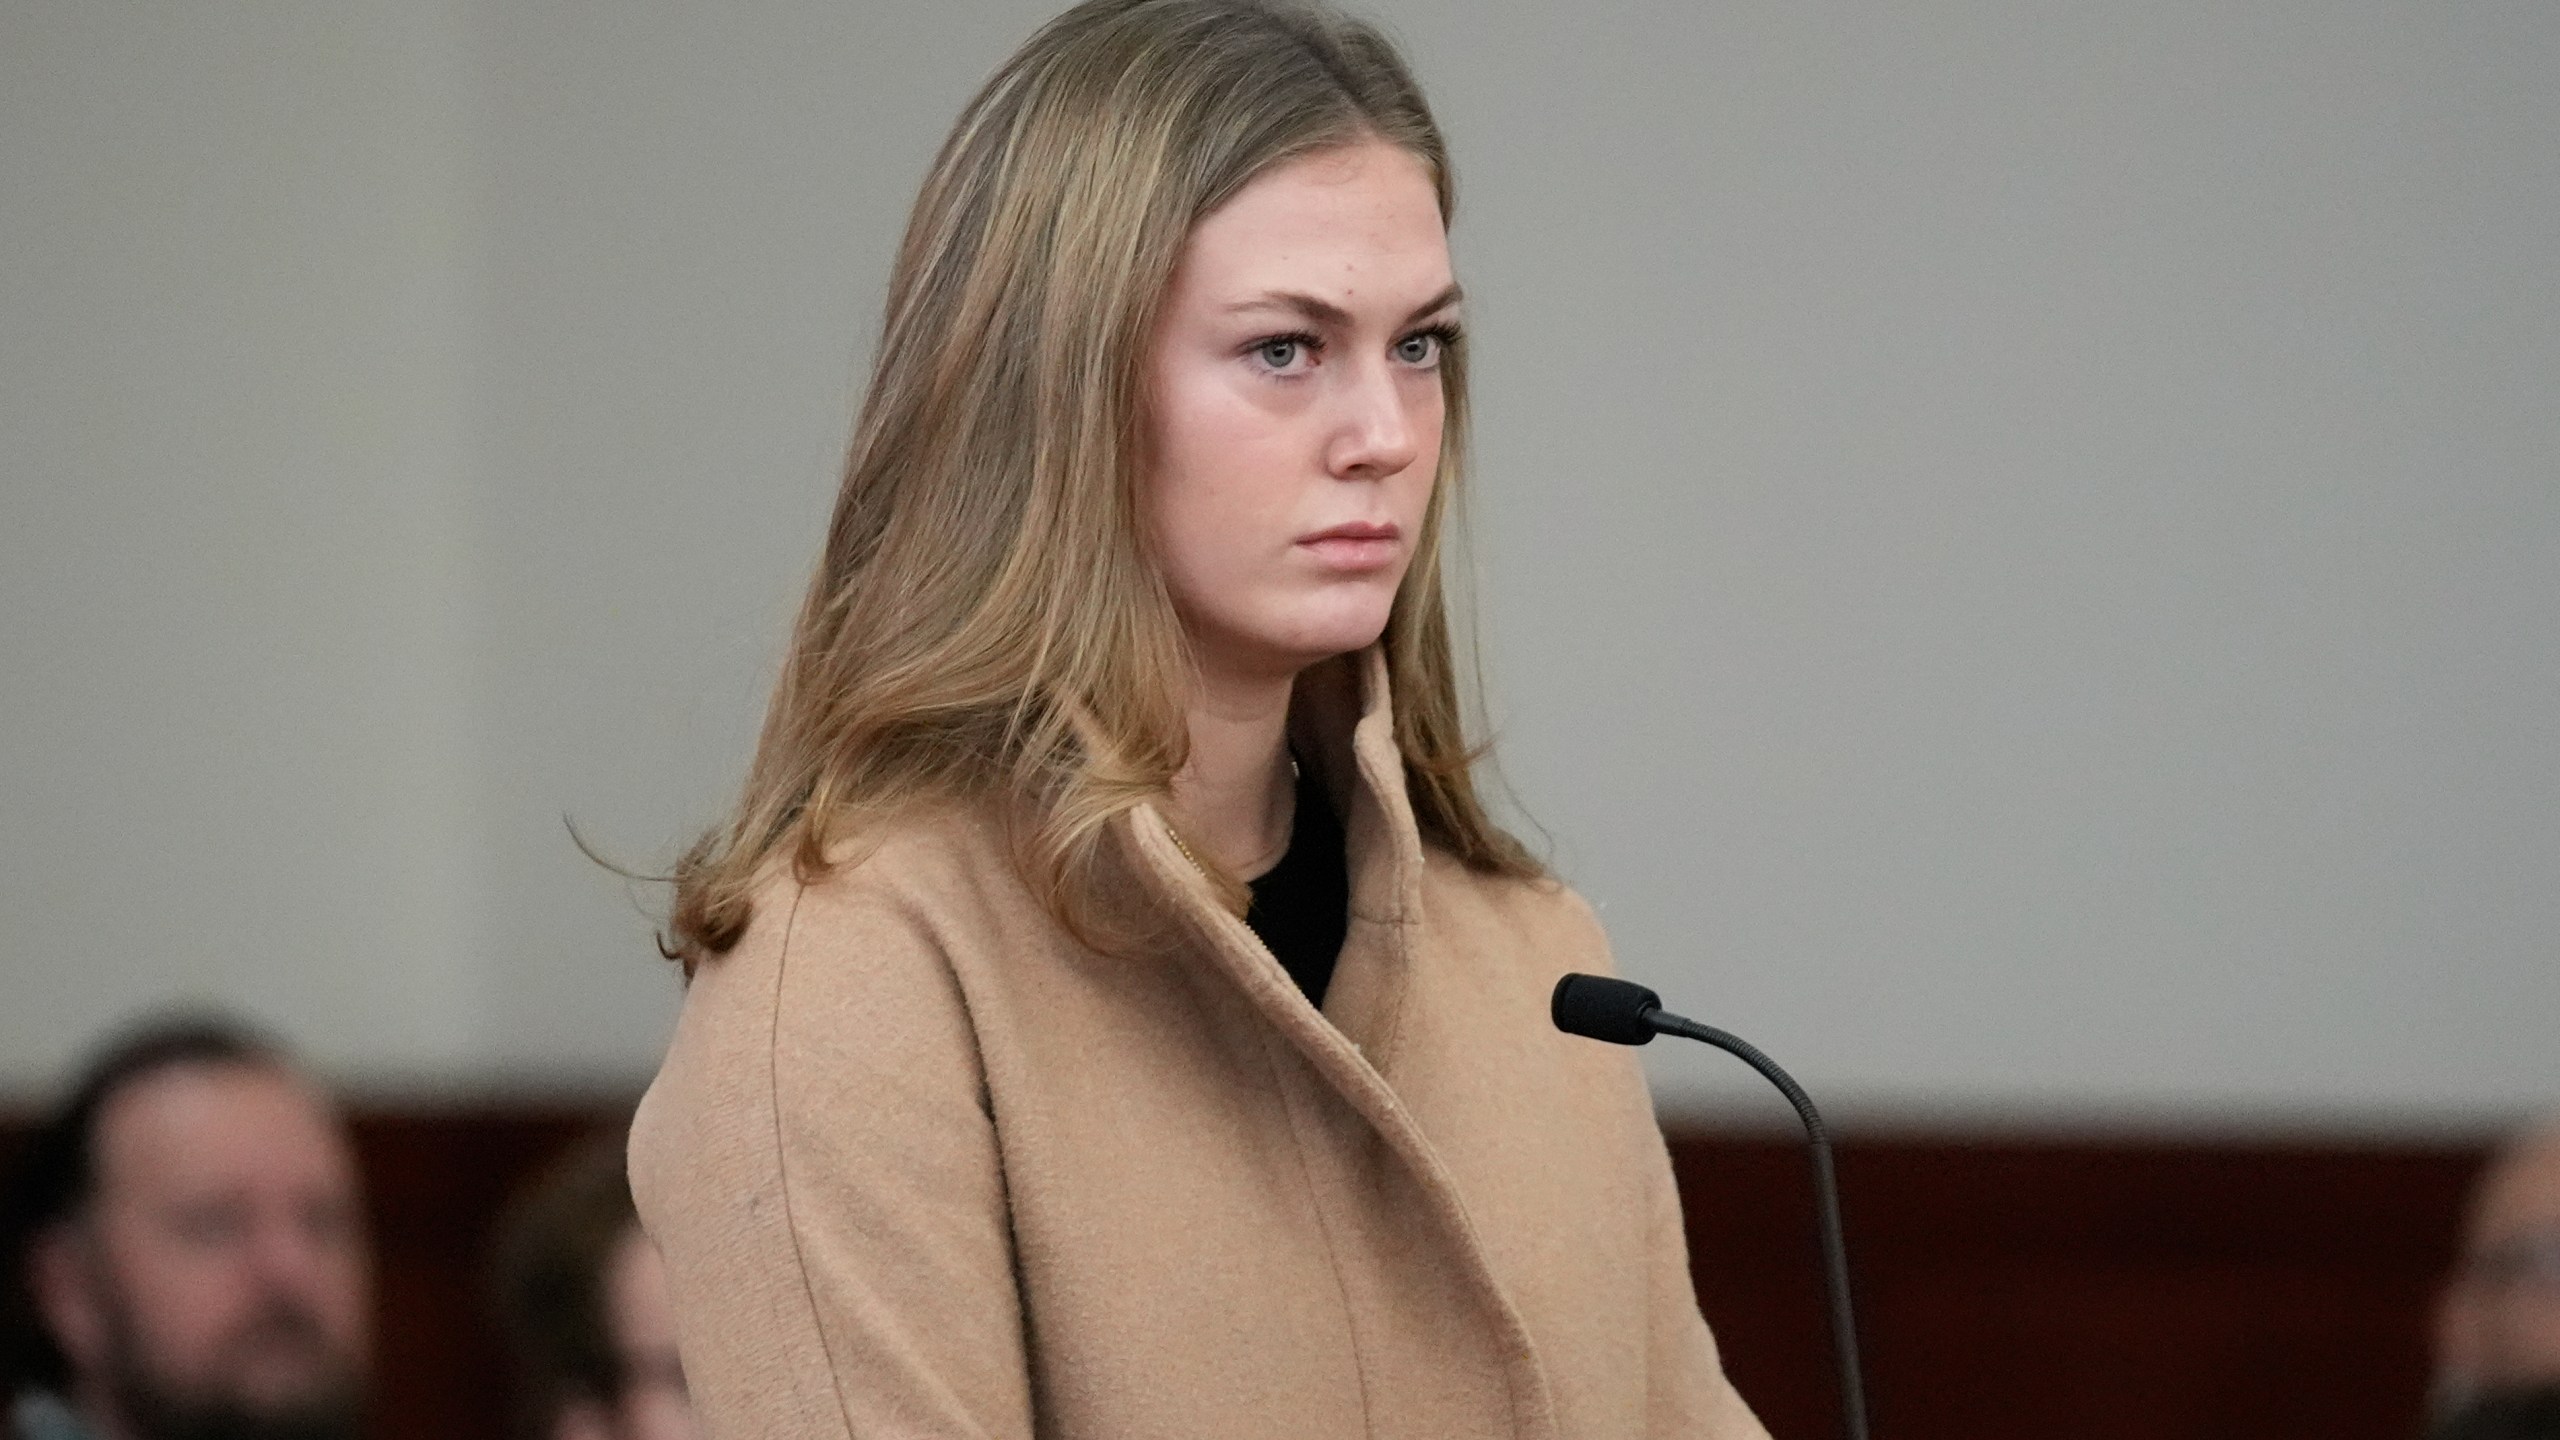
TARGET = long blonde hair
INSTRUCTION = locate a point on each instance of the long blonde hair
(986, 618)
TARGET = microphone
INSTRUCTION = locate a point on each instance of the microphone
(1625, 1013)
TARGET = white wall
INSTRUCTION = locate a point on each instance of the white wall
(692, 212)
(2027, 538)
(2019, 541)
(233, 741)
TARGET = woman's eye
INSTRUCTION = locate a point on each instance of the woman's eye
(1280, 352)
(1420, 349)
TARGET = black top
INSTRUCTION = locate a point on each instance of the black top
(1302, 906)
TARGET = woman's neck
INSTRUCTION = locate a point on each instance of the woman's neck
(1235, 799)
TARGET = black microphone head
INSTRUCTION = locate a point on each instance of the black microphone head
(1604, 1009)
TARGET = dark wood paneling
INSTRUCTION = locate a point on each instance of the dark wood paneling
(2168, 1290)
(2198, 1290)
(438, 1183)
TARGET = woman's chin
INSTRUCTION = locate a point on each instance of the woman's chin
(1336, 635)
(1287, 636)
(1277, 651)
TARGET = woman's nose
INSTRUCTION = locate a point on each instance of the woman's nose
(1376, 434)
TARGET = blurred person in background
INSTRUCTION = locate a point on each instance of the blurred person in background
(582, 1298)
(2498, 1324)
(188, 1256)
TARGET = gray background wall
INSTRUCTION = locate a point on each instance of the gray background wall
(2020, 543)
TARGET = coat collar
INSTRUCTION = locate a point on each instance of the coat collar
(1342, 718)
(1343, 714)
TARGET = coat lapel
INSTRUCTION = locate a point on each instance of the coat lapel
(1345, 711)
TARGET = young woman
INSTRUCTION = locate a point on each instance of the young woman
(1111, 1012)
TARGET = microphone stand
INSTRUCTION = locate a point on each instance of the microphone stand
(1629, 1014)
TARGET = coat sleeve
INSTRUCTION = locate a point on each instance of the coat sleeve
(1690, 1395)
(817, 1164)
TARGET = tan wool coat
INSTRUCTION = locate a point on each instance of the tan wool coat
(921, 1165)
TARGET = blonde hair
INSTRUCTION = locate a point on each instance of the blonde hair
(986, 618)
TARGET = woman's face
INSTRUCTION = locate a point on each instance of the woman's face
(1297, 406)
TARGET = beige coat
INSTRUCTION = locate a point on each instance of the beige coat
(923, 1166)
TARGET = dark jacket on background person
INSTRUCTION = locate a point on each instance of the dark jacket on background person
(42, 1415)
(2521, 1413)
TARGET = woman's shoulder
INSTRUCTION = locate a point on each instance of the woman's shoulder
(841, 955)
(885, 900)
(924, 857)
(832, 1034)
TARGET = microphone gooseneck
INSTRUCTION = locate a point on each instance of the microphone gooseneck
(1625, 1013)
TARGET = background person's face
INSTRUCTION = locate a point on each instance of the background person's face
(2499, 1323)
(221, 1268)
(654, 1403)
(1297, 407)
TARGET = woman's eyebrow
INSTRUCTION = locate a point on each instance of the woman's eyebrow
(1325, 312)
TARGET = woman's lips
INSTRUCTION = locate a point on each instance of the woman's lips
(1355, 547)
